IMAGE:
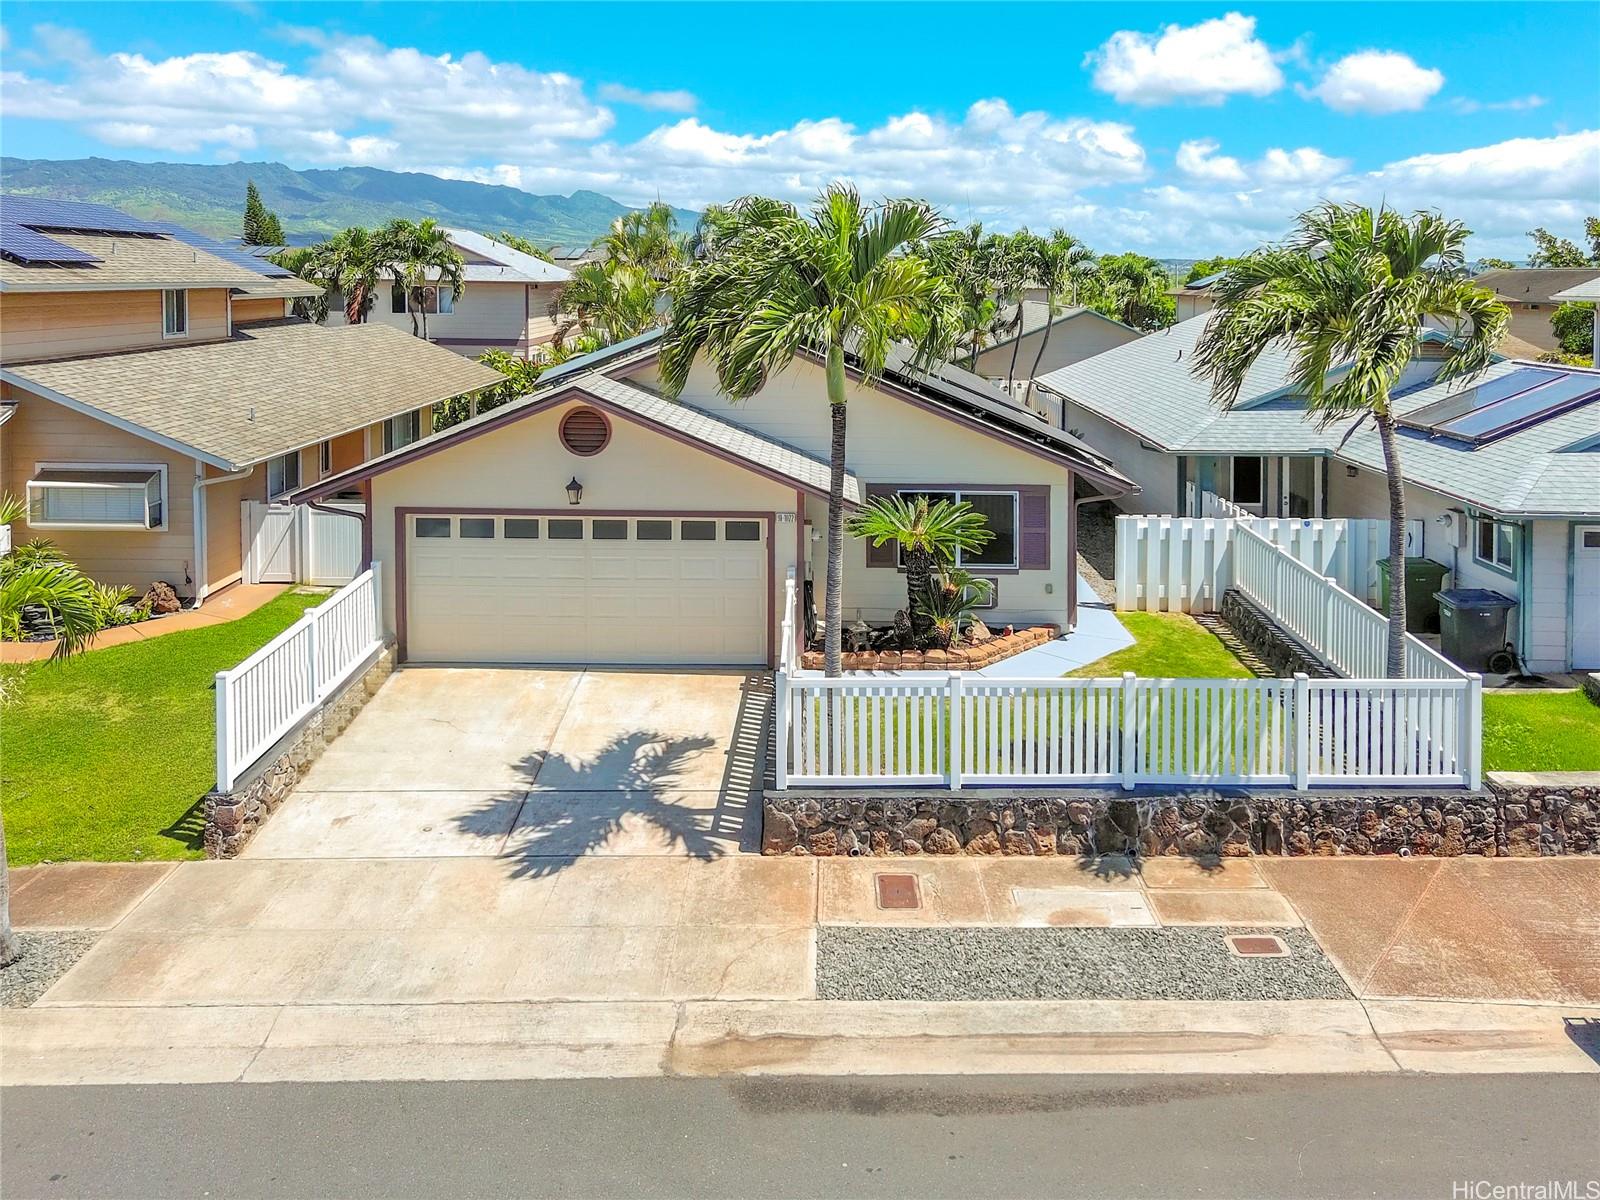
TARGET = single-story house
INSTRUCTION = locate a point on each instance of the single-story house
(1502, 472)
(595, 521)
(1075, 333)
(1531, 295)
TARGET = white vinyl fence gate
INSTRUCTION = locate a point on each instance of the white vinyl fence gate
(296, 543)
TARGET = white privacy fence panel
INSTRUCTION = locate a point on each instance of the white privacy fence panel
(953, 730)
(1183, 564)
(267, 694)
(296, 543)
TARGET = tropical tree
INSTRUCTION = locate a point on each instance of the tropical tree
(300, 260)
(30, 577)
(928, 534)
(1022, 253)
(261, 224)
(833, 282)
(350, 263)
(1132, 288)
(1346, 295)
(1573, 325)
(647, 239)
(1208, 266)
(421, 256)
(983, 270)
(609, 300)
(1061, 265)
(1552, 251)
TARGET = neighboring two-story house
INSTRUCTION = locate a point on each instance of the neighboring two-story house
(1502, 472)
(150, 382)
(1530, 294)
(507, 304)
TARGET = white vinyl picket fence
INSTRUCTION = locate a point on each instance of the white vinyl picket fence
(270, 692)
(296, 543)
(955, 730)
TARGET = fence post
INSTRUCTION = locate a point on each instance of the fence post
(780, 725)
(313, 639)
(1472, 731)
(1330, 598)
(1130, 684)
(958, 722)
(1302, 731)
(224, 738)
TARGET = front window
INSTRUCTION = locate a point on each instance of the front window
(325, 459)
(397, 299)
(283, 474)
(98, 497)
(402, 430)
(438, 300)
(174, 313)
(999, 511)
(1497, 545)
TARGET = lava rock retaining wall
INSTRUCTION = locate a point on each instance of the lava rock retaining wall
(232, 818)
(1509, 820)
(1282, 653)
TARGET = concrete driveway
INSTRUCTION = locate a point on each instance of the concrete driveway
(540, 765)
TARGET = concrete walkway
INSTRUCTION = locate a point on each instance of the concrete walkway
(237, 601)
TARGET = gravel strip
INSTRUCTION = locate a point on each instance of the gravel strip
(1097, 543)
(882, 963)
(46, 957)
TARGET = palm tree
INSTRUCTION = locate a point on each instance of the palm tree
(781, 285)
(350, 263)
(1132, 288)
(301, 261)
(609, 300)
(1061, 265)
(929, 535)
(1022, 254)
(1347, 295)
(977, 267)
(69, 599)
(647, 239)
(421, 256)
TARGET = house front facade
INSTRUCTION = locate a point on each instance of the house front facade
(150, 386)
(1531, 294)
(595, 521)
(1502, 473)
(507, 303)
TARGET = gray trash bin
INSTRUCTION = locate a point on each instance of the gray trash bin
(1472, 625)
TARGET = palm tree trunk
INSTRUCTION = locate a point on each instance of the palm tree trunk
(1016, 347)
(1395, 658)
(10, 947)
(919, 582)
(1039, 357)
(413, 302)
(833, 595)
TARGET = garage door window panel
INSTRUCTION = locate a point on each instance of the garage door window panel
(433, 527)
(566, 530)
(610, 531)
(699, 531)
(654, 531)
(524, 528)
(742, 531)
(477, 527)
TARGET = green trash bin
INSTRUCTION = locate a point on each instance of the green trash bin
(1424, 578)
(1474, 626)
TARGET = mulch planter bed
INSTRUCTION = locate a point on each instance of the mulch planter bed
(957, 658)
(887, 963)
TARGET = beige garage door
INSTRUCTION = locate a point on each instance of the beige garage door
(634, 589)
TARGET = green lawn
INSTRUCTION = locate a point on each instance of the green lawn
(105, 757)
(1168, 646)
(1540, 731)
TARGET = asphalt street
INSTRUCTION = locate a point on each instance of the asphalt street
(926, 1137)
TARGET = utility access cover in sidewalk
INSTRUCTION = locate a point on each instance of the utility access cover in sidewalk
(897, 891)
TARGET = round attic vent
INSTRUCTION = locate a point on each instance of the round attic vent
(585, 431)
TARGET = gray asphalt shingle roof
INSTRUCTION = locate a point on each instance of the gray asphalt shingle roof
(1533, 285)
(1146, 388)
(273, 387)
(1036, 315)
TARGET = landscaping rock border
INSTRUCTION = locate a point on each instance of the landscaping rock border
(1514, 818)
(232, 818)
(957, 658)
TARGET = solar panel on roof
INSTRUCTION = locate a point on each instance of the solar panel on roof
(26, 246)
(1505, 404)
(228, 253)
(41, 212)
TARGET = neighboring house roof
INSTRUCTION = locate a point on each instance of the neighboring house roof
(1146, 387)
(701, 429)
(516, 267)
(275, 280)
(1533, 285)
(272, 387)
(1036, 315)
(1588, 290)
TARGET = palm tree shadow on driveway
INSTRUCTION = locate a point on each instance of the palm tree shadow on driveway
(634, 776)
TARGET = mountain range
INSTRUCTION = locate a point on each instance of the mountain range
(312, 204)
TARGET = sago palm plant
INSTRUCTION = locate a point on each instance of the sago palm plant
(1347, 295)
(929, 535)
(835, 282)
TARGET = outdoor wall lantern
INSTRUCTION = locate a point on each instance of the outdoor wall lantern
(574, 491)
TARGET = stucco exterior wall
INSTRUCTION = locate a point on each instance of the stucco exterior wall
(1070, 341)
(43, 431)
(524, 465)
(1155, 473)
(259, 309)
(888, 442)
(36, 325)
(505, 316)
(224, 538)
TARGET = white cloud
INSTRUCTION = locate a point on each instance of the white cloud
(1198, 64)
(1467, 107)
(1555, 168)
(1199, 160)
(1305, 165)
(674, 101)
(1376, 81)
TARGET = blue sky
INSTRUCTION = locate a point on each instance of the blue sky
(1179, 129)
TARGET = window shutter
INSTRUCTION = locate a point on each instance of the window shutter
(888, 554)
(1033, 534)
